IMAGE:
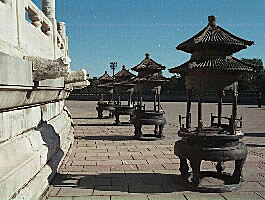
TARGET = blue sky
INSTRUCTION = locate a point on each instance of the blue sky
(103, 31)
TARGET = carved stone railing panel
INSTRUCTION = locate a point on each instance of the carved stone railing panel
(46, 26)
(38, 18)
(43, 69)
(34, 14)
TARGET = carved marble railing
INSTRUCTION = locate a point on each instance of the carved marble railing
(38, 31)
(38, 18)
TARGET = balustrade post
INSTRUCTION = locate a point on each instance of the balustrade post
(61, 27)
(48, 8)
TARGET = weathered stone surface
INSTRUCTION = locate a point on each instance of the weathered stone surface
(15, 71)
(76, 76)
(58, 82)
(48, 69)
(12, 124)
(23, 157)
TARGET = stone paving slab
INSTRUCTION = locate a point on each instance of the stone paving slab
(105, 162)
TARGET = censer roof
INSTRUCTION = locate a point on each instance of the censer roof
(218, 63)
(105, 77)
(157, 77)
(148, 65)
(213, 36)
(123, 74)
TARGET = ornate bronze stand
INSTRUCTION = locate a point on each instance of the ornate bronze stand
(123, 83)
(108, 106)
(148, 117)
(211, 145)
(212, 68)
(106, 86)
(149, 77)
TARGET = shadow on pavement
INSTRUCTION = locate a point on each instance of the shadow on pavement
(254, 134)
(105, 117)
(113, 124)
(129, 182)
(255, 145)
(106, 137)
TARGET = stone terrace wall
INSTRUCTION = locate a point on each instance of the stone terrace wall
(35, 79)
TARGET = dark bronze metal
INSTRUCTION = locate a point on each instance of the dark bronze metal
(212, 67)
(149, 76)
(107, 106)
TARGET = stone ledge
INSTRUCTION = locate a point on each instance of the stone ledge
(28, 97)
(15, 71)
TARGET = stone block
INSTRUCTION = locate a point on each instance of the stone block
(27, 96)
(15, 71)
(12, 125)
(8, 31)
(58, 82)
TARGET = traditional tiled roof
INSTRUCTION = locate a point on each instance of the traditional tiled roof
(213, 35)
(123, 74)
(105, 77)
(148, 65)
(217, 63)
(157, 77)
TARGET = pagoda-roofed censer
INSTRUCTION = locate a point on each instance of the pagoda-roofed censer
(212, 67)
(149, 77)
(123, 84)
(106, 87)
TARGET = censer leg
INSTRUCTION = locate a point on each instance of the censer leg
(237, 175)
(100, 114)
(156, 130)
(138, 131)
(220, 167)
(161, 127)
(195, 165)
(117, 116)
(184, 168)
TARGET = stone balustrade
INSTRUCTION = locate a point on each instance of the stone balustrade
(37, 31)
(38, 18)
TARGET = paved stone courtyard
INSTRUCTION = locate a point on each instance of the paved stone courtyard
(106, 163)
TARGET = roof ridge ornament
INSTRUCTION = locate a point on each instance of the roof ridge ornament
(147, 56)
(212, 20)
